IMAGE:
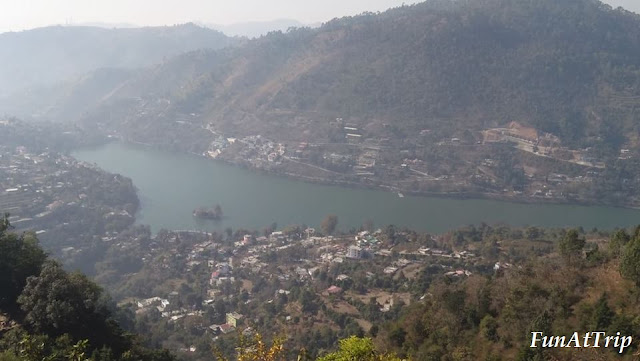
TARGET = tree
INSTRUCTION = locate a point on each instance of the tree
(602, 314)
(20, 257)
(65, 315)
(630, 263)
(329, 224)
(571, 245)
(368, 225)
(489, 328)
(308, 301)
(397, 336)
(618, 240)
(256, 350)
(532, 233)
(356, 348)
(56, 302)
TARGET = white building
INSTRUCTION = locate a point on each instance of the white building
(355, 252)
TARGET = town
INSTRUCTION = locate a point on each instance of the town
(72, 207)
(482, 164)
(212, 286)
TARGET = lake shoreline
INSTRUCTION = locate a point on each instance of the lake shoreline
(407, 192)
(171, 184)
(379, 187)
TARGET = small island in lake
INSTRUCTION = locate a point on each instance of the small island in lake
(208, 213)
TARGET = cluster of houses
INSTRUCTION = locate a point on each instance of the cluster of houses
(27, 180)
(222, 273)
(163, 306)
(255, 148)
(34, 188)
(233, 320)
(249, 250)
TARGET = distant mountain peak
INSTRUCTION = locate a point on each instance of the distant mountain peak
(253, 29)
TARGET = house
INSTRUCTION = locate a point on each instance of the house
(282, 292)
(213, 294)
(390, 270)
(214, 277)
(234, 318)
(384, 253)
(355, 252)
(224, 269)
(224, 328)
(247, 239)
(458, 273)
(302, 272)
(153, 301)
(334, 290)
(387, 305)
(278, 235)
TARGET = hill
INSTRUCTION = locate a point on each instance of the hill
(476, 293)
(53, 54)
(532, 100)
(559, 67)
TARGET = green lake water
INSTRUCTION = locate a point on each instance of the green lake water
(171, 186)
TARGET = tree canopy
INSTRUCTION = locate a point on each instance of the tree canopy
(329, 224)
(571, 245)
(630, 262)
(356, 348)
(20, 257)
(65, 316)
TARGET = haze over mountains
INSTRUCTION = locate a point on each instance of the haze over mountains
(532, 101)
(49, 55)
(255, 29)
(554, 65)
(250, 29)
(568, 68)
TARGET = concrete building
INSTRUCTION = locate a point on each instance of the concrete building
(355, 252)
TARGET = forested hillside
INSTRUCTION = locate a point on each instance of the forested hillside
(510, 99)
(569, 68)
(508, 283)
(553, 281)
(585, 283)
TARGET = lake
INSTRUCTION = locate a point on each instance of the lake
(171, 186)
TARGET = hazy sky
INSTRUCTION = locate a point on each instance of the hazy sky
(25, 14)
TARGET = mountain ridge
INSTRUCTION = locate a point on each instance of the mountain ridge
(419, 98)
(46, 56)
(354, 66)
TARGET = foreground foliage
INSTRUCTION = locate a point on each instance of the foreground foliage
(355, 348)
(57, 316)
